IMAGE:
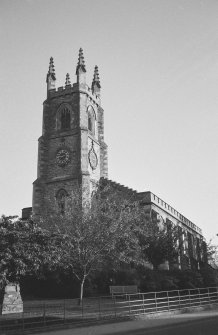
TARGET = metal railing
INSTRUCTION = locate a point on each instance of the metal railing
(58, 313)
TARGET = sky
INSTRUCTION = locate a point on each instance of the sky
(158, 66)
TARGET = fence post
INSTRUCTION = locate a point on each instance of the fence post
(168, 302)
(44, 314)
(179, 299)
(23, 326)
(189, 298)
(64, 311)
(155, 297)
(115, 310)
(99, 308)
(0, 319)
(199, 296)
(129, 306)
(82, 310)
(208, 293)
(143, 297)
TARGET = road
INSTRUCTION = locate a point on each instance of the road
(194, 327)
(200, 323)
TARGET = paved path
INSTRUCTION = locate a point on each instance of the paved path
(199, 323)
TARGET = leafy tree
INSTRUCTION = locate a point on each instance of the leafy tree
(87, 235)
(212, 253)
(209, 269)
(24, 249)
(112, 229)
(114, 226)
(159, 241)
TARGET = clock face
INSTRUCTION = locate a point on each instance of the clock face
(62, 157)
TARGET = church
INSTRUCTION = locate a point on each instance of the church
(72, 152)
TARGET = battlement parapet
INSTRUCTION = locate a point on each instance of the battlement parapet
(148, 198)
(151, 197)
(118, 186)
(70, 89)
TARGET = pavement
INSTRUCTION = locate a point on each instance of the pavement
(143, 325)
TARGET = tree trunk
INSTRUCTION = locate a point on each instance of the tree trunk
(81, 290)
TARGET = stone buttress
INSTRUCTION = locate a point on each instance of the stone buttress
(71, 150)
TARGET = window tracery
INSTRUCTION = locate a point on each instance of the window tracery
(65, 118)
(91, 120)
(61, 200)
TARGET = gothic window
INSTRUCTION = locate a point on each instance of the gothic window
(61, 200)
(169, 224)
(194, 241)
(190, 244)
(185, 243)
(65, 118)
(154, 216)
(91, 120)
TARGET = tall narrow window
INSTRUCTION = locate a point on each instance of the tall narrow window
(65, 119)
(61, 200)
(154, 216)
(91, 120)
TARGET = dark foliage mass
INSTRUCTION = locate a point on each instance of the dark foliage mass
(24, 249)
(108, 242)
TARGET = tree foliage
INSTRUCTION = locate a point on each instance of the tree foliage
(212, 253)
(87, 235)
(111, 230)
(24, 249)
(159, 242)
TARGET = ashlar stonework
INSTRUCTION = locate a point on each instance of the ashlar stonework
(72, 152)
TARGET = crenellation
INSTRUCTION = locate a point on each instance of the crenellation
(72, 152)
(162, 204)
(66, 134)
(175, 213)
(69, 89)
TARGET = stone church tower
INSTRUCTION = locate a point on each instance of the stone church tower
(72, 153)
(71, 150)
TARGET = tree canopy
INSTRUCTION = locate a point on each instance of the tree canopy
(112, 227)
(87, 235)
(24, 249)
(159, 243)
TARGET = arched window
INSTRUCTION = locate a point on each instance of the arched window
(91, 120)
(61, 200)
(65, 118)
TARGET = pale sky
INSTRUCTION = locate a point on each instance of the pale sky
(158, 66)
